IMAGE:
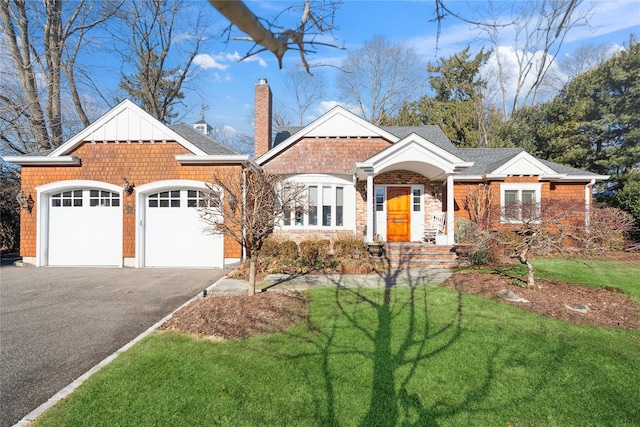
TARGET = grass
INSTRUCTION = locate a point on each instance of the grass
(421, 356)
(599, 273)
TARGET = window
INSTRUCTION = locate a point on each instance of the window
(325, 208)
(67, 199)
(339, 206)
(103, 198)
(520, 202)
(379, 199)
(165, 199)
(313, 205)
(417, 205)
(201, 199)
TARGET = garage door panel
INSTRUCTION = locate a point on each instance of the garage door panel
(175, 236)
(82, 232)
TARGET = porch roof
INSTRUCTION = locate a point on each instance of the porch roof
(416, 154)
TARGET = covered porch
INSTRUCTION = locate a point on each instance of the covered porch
(402, 187)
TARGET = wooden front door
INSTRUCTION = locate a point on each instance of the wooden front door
(398, 214)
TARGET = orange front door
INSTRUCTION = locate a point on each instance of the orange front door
(398, 214)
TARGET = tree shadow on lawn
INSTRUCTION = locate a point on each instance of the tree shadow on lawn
(397, 353)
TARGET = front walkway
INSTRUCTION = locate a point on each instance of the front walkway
(394, 278)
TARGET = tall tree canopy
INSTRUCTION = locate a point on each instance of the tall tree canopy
(457, 105)
(596, 118)
(161, 66)
(379, 78)
(43, 39)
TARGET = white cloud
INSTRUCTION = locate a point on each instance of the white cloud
(235, 56)
(207, 61)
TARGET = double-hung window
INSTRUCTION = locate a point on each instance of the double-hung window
(520, 202)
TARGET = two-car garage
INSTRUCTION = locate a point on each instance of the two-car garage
(81, 224)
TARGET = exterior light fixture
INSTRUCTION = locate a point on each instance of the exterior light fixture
(126, 187)
(25, 202)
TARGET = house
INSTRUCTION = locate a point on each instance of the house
(124, 192)
(388, 181)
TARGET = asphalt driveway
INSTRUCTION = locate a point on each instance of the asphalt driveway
(57, 323)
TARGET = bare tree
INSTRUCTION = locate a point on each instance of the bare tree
(380, 77)
(540, 28)
(247, 207)
(43, 39)
(528, 229)
(161, 66)
(304, 89)
(316, 17)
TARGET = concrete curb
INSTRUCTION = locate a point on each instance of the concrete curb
(66, 391)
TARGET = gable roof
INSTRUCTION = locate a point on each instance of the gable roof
(128, 122)
(125, 122)
(413, 153)
(497, 163)
(338, 122)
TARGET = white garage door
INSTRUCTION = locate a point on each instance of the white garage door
(175, 236)
(85, 228)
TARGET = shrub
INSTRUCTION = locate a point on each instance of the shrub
(270, 248)
(288, 250)
(345, 245)
(314, 249)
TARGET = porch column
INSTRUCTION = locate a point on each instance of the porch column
(370, 204)
(450, 211)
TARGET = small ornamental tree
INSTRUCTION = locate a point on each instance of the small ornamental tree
(247, 207)
(532, 228)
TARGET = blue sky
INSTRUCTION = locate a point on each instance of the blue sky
(227, 86)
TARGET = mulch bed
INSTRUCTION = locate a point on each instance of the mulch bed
(606, 308)
(240, 316)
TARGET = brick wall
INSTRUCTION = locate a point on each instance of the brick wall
(139, 163)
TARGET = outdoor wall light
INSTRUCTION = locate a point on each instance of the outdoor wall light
(126, 187)
(25, 202)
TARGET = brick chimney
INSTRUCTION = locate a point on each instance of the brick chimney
(262, 119)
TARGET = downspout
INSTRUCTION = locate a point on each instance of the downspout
(588, 190)
(450, 211)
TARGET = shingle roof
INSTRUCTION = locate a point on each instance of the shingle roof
(430, 133)
(202, 141)
(485, 160)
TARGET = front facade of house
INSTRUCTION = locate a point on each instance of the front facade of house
(85, 215)
(124, 191)
(385, 183)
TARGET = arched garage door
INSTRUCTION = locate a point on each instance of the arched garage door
(84, 228)
(174, 234)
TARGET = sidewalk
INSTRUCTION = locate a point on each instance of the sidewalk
(395, 278)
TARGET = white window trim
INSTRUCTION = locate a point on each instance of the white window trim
(321, 181)
(516, 186)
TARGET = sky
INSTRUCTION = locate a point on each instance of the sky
(227, 86)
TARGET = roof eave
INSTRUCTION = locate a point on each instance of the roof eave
(216, 159)
(42, 161)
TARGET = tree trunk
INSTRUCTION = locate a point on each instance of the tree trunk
(522, 257)
(253, 261)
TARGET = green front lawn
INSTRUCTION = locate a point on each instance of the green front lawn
(366, 358)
